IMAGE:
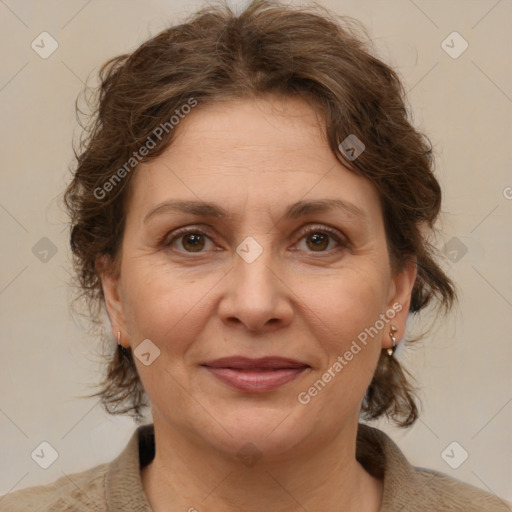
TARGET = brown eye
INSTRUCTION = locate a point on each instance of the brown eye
(317, 241)
(193, 242)
(188, 240)
(322, 239)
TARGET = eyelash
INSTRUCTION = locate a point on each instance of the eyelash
(167, 243)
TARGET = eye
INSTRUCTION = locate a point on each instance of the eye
(318, 239)
(189, 239)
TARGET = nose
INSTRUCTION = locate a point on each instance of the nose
(256, 295)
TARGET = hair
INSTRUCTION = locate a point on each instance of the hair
(268, 49)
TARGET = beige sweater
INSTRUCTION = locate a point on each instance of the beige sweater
(117, 486)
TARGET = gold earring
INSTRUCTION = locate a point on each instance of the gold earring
(124, 350)
(392, 331)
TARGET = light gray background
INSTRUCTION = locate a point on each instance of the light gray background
(464, 104)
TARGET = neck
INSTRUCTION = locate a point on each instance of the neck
(186, 476)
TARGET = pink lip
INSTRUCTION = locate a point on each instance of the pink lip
(255, 375)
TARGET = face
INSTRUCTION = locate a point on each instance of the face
(286, 264)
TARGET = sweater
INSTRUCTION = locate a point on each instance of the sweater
(116, 486)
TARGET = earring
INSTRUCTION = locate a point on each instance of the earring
(124, 350)
(392, 331)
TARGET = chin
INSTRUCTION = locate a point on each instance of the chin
(259, 431)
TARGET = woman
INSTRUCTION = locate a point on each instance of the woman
(252, 207)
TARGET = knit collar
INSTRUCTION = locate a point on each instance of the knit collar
(378, 454)
(123, 481)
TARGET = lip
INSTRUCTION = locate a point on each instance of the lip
(247, 363)
(255, 375)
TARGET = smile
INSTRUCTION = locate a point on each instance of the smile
(255, 375)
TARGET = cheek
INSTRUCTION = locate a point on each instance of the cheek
(348, 310)
(348, 303)
(166, 308)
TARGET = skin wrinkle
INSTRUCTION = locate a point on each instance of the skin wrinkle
(201, 307)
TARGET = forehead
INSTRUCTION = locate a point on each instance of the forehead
(269, 152)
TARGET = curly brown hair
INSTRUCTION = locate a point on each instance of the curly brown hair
(268, 48)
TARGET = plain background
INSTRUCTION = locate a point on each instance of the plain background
(465, 106)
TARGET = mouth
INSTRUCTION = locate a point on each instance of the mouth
(255, 375)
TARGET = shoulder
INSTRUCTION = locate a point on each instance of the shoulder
(443, 492)
(417, 489)
(77, 492)
(115, 485)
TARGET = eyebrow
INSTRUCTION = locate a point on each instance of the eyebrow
(294, 211)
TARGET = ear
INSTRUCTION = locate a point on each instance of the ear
(400, 300)
(110, 283)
